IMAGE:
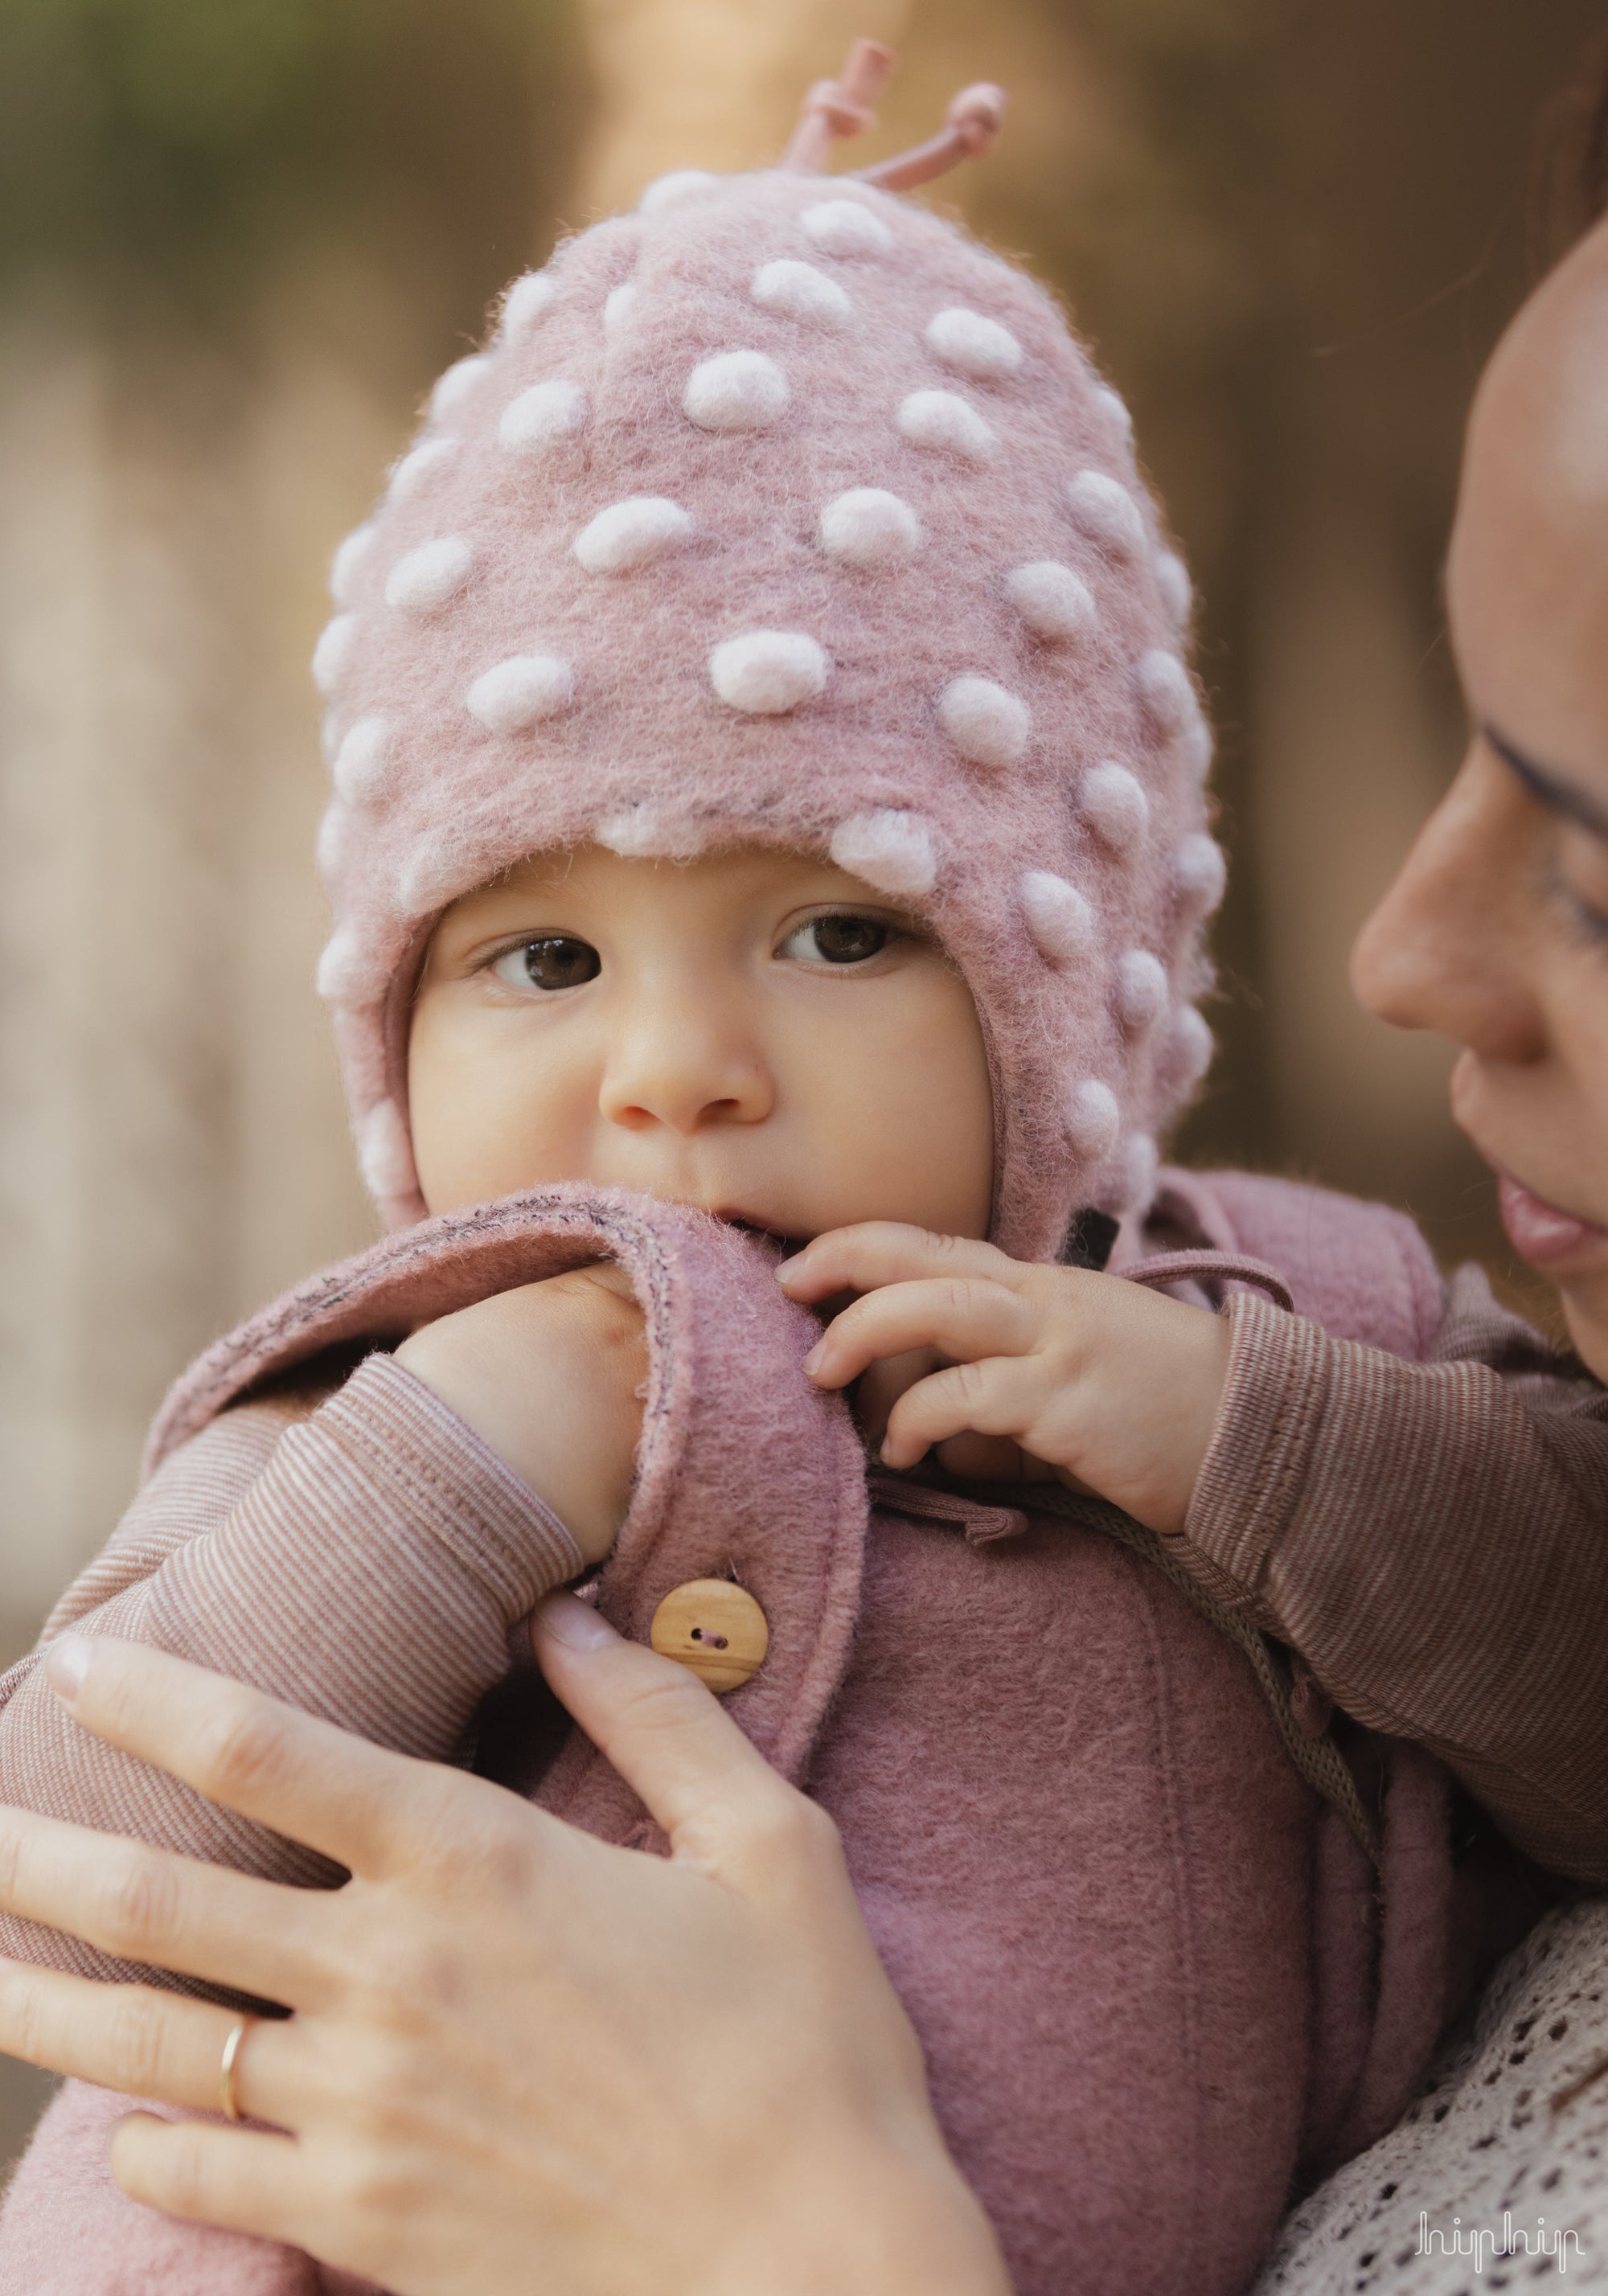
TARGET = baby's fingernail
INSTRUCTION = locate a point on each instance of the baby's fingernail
(67, 1662)
(568, 1619)
(812, 1361)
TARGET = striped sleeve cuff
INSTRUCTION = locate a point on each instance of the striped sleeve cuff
(1271, 1409)
(409, 1441)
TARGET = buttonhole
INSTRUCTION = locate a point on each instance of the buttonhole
(715, 1642)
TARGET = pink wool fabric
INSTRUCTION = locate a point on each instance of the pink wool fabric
(1149, 1968)
(783, 512)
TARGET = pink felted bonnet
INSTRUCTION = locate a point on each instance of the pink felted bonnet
(782, 512)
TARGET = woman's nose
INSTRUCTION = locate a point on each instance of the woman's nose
(686, 1069)
(1445, 947)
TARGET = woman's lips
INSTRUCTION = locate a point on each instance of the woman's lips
(1542, 1232)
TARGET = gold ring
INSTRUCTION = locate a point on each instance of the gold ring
(230, 2066)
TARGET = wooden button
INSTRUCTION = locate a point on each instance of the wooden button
(716, 1628)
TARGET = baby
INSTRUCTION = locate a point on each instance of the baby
(769, 813)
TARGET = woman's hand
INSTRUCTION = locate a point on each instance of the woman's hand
(551, 1375)
(1007, 1367)
(517, 2057)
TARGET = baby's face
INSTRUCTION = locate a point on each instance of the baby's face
(757, 1034)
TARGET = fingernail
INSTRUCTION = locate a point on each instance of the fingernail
(67, 1662)
(812, 1361)
(787, 1267)
(568, 1619)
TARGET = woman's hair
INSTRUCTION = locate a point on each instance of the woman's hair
(1570, 191)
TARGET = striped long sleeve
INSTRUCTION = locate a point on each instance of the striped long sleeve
(362, 1556)
(1434, 1539)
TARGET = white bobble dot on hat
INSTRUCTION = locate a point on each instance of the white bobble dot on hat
(384, 1156)
(1114, 412)
(637, 832)
(1059, 918)
(893, 851)
(1200, 874)
(527, 301)
(430, 576)
(617, 308)
(409, 475)
(943, 421)
(458, 384)
(1194, 745)
(1141, 989)
(631, 533)
(735, 390)
(346, 563)
(543, 416)
(432, 875)
(1188, 1054)
(973, 345)
(1056, 604)
(1093, 1120)
(1141, 1162)
(1166, 691)
(342, 955)
(521, 692)
(360, 762)
(868, 527)
(987, 724)
(766, 673)
(1115, 806)
(350, 971)
(1172, 581)
(1107, 513)
(845, 228)
(799, 290)
(332, 652)
(669, 191)
(330, 851)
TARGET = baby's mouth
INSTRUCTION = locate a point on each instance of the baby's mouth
(762, 1230)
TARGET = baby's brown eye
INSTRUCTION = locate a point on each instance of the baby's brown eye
(552, 961)
(839, 939)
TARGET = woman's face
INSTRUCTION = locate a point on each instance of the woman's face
(754, 1033)
(1496, 931)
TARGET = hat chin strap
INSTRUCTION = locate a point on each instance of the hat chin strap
(845, 107)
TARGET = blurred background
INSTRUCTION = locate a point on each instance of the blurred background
(239, 238)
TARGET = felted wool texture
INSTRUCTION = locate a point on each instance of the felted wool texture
(826, 536)
(69, 2231)
(1139, 1953)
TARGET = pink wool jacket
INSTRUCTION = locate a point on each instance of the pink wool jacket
(1157, 1980)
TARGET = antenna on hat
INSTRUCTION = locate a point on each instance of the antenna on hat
(844, 107)
(839, 107)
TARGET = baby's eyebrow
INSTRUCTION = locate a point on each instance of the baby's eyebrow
(1556, 791)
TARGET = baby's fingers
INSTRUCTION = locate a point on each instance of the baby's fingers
(1005, 1395)
(959, 1317)
(875, 1252)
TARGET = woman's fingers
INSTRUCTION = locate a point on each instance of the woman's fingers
(356, 1803)
(144, 2043)
(1001, 1397)
(147, 1904)
(662, 1730)
(875, 1252)
(240, 2179)
(960, 1316)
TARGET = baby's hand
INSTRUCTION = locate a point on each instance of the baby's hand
(1112, 1388)
(550, 1375)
